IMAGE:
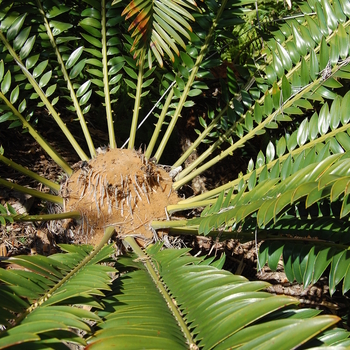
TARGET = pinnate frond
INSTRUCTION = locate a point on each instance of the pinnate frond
(217, 309)
(158, 26)
(37, 294)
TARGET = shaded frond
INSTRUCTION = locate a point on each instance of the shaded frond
(322, 243)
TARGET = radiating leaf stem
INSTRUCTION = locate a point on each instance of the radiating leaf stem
(38, 138)
(54, 186)
(45, 196)
(135, 116)
(222, 235)
(216, 144)
(200, 138)
(169, 223)
(155, 276)
(158, 127)
(109, 115)
(46, 217)
(248, 136)
(171, 209)
(212, 193)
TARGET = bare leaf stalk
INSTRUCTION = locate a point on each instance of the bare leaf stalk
(192, 205)
(216, 144)
(45, 196)
(161, 118)
(46, 217)
(243, 236)
(200, 138)
(112, 142)
(135, 116)
(156, 225)
(38, 138)
(207, 152)
(54, 186)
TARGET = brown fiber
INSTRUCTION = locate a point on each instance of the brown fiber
(119, 188)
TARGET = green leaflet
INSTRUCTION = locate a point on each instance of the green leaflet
(271, 197)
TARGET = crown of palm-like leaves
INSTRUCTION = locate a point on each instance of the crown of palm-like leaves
(297, 186)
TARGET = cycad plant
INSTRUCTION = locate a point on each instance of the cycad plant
(102, 58)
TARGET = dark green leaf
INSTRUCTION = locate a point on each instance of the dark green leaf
(45, 79)
(83, 88)
(130, 72)
(281, 146)
(21, 38)
(76, 70)
(85, 98)
(14, 94)
(59, 27)
(6, 83)
(74, 57)
(15, 27)
(186, 59)
(299, 42)
(39, 69)
(27, 47)
(92, 40)
(130, 83)
(50, 90)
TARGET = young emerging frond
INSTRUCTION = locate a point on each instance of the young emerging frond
(159, 26)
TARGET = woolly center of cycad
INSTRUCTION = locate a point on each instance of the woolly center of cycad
(119, 188)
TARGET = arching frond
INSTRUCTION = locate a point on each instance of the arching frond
(299, 72)
(196, 305)
(37, 294)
